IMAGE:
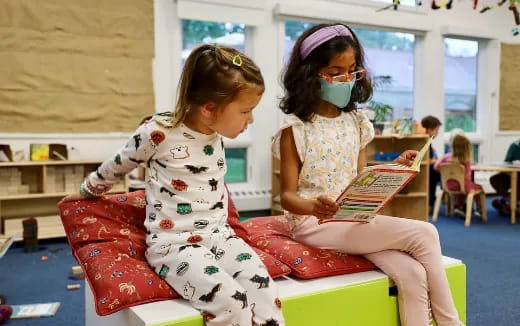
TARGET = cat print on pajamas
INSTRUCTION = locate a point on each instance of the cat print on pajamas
(262, 282)
(242, 297)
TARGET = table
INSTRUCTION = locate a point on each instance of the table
(507, 168)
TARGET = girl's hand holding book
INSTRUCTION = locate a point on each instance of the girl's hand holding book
(324, 208)
(407, 157)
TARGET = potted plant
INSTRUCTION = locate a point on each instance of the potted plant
(381, 111)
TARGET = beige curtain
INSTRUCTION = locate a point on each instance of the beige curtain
(75, 65)
(509, 87)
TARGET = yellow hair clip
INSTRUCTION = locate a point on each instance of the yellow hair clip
(237, 60)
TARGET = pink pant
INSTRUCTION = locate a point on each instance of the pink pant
(408, 251)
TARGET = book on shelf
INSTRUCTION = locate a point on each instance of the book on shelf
(373, 188)
(36, 310)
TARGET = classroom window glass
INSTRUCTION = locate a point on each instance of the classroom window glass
(236, 159)
(196, 32)
(389, 60)
(460, 84)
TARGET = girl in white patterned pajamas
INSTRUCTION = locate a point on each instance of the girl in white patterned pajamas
(190, 244)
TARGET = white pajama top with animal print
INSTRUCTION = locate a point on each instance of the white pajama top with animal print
(190, 244)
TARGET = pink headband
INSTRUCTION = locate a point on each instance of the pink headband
(321, 36)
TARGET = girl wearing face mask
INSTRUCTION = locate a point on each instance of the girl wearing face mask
(321, 145)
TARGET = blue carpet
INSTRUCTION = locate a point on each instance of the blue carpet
(491, 252)
(25, 279)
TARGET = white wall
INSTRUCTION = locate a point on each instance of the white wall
(266, 48)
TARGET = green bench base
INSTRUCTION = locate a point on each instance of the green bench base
(355, 299)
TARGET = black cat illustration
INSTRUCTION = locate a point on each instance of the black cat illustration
(263, 282)
(239, 296)
(213, 183)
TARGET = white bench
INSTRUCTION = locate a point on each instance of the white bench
(351, 299)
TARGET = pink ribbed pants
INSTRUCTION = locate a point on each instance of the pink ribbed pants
(408, 251)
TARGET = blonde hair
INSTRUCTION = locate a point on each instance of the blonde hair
(214, 73)
(461, 148)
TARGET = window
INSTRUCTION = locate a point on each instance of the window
(460, 84)
(390, 61)
(195, 32)
(236, 159)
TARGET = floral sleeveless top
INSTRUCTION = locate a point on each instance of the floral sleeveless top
(328, 149)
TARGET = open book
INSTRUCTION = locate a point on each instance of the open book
(36, 310)
(373, 188)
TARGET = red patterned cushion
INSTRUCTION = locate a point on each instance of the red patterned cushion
(107, 237)
(275, 267)
(271, 234)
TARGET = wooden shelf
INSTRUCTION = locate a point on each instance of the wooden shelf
(39, 163)
(49, 195)
(45, 183)
(396, 136)
(413, 194)
(48, 227)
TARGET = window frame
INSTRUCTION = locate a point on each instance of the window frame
(483, 98)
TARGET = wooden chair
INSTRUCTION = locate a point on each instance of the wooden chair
(455, 171)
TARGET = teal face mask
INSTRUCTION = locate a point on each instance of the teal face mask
(337, 93)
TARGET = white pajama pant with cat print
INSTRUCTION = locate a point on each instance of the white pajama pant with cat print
(222, 277)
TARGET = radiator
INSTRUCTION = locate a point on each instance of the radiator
(251, 199)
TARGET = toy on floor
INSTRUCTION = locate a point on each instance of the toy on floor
(30, 234)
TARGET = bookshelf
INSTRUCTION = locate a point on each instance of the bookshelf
(34, 188)
(411, 203)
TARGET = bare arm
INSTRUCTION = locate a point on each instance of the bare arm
(362, 160)
(290, 167)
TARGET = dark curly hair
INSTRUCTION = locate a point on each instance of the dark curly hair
(301, 81)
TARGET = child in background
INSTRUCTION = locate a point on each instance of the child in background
(501, 182)
(321, 147)
(190, 244)
(461, 152)
(432, 125)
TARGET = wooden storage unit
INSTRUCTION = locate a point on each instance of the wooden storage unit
(412, 202)
(33, 189)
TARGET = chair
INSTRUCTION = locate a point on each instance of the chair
(455, 172)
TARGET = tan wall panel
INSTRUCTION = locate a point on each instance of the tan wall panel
(72, 112)
(75, 66)
(79, 73)
(509, 92)
(25, 40)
